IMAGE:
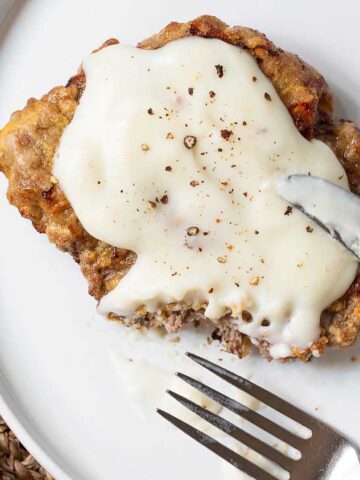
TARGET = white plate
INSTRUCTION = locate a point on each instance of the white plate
(61, 375)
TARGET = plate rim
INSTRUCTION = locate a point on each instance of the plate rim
(8, 11)
(25, 429)
(34, 447)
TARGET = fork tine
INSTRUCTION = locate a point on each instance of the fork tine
(238, 433)
(224, 452)
(246, 413)
(261, 394)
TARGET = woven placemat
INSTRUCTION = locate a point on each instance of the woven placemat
(16, 463)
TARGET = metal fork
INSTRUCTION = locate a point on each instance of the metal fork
(324, 455)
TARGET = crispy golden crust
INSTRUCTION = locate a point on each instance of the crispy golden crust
(27, 146)
(28, 143)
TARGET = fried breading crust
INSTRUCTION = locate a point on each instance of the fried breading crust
(29, 141)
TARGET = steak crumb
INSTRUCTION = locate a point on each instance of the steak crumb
(219, 70)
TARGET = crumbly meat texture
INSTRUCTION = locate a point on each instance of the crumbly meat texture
(29, 141)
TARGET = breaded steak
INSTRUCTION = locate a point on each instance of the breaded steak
(30, 139)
